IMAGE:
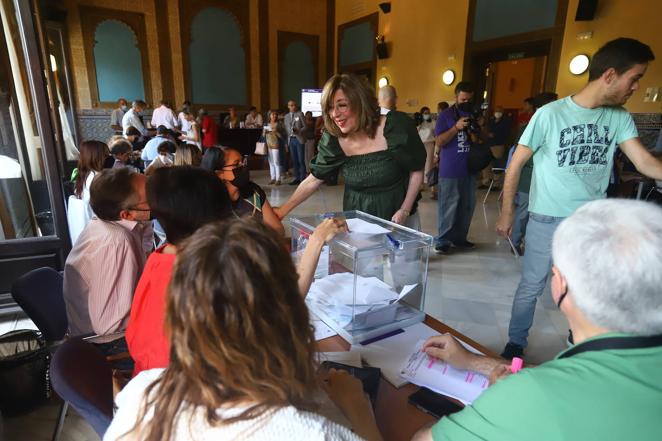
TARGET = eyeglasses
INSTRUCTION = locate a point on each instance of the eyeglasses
(135, 208)
(340, 107)
(241, 163)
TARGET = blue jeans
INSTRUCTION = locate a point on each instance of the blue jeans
(536, 265)
(115, 347)
(456, 202)
(521, 217)
(298, 152)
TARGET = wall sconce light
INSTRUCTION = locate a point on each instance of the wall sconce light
(383, 81)
(53, 63)
(579, 64)
(448, 77)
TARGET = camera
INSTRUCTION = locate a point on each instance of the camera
(474, 114)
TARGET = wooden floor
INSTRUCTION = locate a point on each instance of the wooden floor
(39, 424)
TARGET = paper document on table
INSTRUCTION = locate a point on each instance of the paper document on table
(363, 227)
(441, 377)
(350, 358)
(322, 330)
(390, 353)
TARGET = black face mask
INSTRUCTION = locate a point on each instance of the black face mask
(465, 107)
(241, 179)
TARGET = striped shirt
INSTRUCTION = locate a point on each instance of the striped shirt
(100, 275)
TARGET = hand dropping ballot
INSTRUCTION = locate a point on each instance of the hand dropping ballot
(440, 377)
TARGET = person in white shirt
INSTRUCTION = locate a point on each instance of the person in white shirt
(164, 116)
(118, 114)
(387, 98)
(93, 154)
(133, 117)
(192, 135)
(426, 133)
(242, 351)
(150, 152)
(253, 119)
(182, 122)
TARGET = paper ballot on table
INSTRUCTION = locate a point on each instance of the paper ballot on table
(441, 377)
(363, 227)
(390, 353)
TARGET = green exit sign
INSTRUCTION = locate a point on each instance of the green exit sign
(516, 55)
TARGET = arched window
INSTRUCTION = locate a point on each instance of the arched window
(216, 59)
(297, 60)
(117, 61)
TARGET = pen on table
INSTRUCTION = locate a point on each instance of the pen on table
(516, 365)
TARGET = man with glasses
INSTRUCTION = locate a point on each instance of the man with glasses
(102, 269)
(606, 282)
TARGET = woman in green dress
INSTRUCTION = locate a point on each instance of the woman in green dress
(381, 157)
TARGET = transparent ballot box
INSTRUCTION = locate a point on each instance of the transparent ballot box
(370, 281)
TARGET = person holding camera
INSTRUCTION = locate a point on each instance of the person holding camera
(456, 196)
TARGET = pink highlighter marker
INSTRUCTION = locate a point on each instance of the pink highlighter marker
(516, 365)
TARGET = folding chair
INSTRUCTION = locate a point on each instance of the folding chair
(499, 170)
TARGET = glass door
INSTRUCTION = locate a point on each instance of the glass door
(33, 230)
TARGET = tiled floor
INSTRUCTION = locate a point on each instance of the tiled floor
(470, 291)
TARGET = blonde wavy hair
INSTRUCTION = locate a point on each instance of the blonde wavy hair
(239, 330)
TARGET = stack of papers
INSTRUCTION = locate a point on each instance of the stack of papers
(443, 378)
(334, 295)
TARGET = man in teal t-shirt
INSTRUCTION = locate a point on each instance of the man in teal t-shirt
(607, 386)
(572, 142)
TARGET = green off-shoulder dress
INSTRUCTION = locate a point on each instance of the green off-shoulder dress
(375, 183)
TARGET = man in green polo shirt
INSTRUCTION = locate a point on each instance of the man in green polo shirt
(606, 280)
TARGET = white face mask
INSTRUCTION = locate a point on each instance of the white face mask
(427, 116)
(498, 115)
(165, 159)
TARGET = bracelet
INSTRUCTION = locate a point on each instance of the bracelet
(406, 212)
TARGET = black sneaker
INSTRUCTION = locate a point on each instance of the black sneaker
(295, 182)
(512, 350)
(464, 245)
(570, 341)
(442, 249)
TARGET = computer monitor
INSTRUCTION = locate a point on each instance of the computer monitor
(310, 101)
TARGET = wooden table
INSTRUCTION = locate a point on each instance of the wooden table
(397, 419)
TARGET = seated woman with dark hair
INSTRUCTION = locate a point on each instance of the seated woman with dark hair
(248, 198)
(182, 199)
(242, 352)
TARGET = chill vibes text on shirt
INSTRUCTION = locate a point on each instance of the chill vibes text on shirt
(584, 148)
